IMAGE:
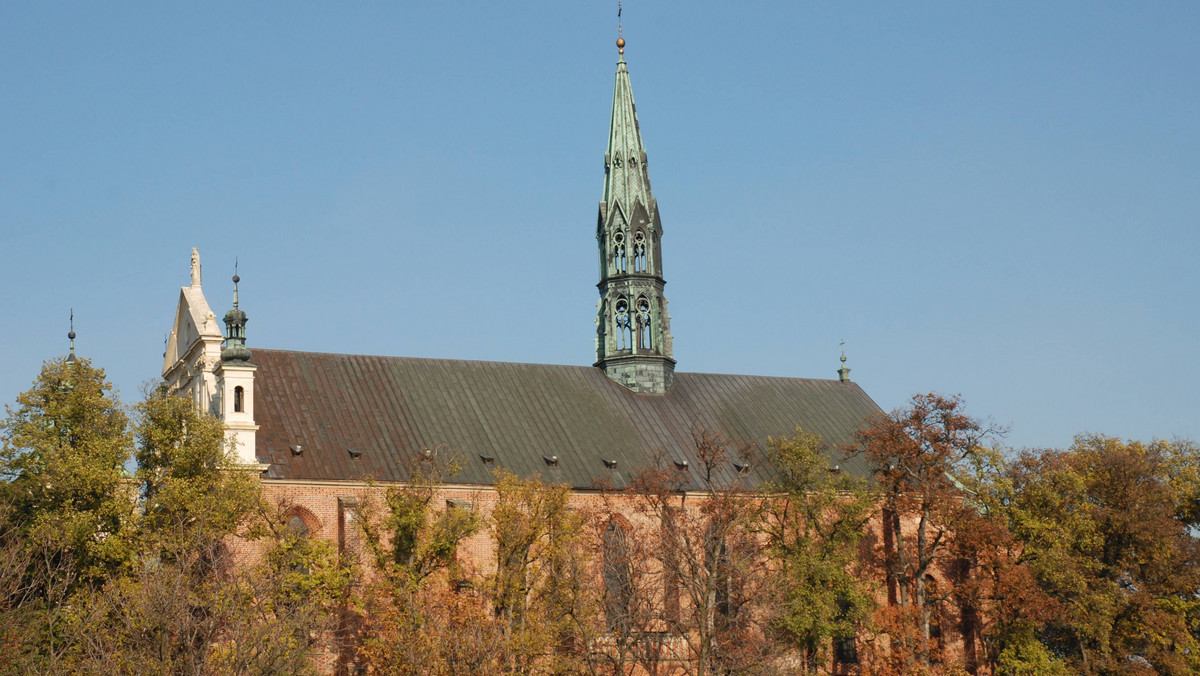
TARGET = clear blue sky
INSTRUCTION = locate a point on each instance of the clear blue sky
(986, 198)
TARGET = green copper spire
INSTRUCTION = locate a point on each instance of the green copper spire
(71, 337)
(633, 334)
(235, 328)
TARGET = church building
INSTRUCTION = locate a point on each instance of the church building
(318, 425)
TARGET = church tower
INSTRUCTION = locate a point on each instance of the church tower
(235, 384)
(633, 329)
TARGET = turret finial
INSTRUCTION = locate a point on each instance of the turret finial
(620, 33)
(844, 373)
(71, 337)
(236, 279)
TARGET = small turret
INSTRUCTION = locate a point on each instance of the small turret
(235, 330)
(844, 373)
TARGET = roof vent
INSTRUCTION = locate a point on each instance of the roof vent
(681, 464)
(296, 449)
(487, 459)
(611, 464)
(551, 460)
(741, 467)
(354, 453)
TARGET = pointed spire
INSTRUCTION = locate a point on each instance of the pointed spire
(235, 328)
(71, 337)
(633, 328)
(626, 180)
(844, 373)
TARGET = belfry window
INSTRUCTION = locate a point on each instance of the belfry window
(643, 323)
(620, 260)
(239, 399)
(639, 252)
(624, 327)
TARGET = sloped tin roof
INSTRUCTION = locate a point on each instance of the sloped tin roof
(389, 410)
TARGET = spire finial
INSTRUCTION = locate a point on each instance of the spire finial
(236, 279)
(844, 373)
(71, 337)
(620, 33)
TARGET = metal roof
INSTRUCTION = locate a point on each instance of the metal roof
(356, 416)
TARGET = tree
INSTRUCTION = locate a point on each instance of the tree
(414, 621)
(916, 453)
(713, 567)
(1110, 534)
(65, 512)
(62, 454)
(543, 588)
(813, 520)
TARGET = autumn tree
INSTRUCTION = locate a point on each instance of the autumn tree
(543, 588)
(1110, 533)
(713, 568)
(416, 622)
(814, 518)
(916, 454)
(67, 514)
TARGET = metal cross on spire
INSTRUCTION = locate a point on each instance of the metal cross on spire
(71, 337)
(620, 32)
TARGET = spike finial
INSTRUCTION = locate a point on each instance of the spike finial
(236, 279)
(620, 33)
(71, 337)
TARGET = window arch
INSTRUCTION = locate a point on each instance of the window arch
(623, 323)
(643, 324)
(618, 578)
(620, 257)
(297, 526)
(239, 399)
(639, 252)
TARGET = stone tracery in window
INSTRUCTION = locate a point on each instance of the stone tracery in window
(620, 260)
(639, 252)
(643, 323)
(623, 324)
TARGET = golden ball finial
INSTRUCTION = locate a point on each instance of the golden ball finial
(620, 45)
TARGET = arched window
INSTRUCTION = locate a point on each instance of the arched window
(639, 252)
(296, 526)
(643, 323)
(618, 578)
(239, 399)
(620, 260)
(623, 324)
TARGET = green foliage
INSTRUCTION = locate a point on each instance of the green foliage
(1028, 657)
(1109, 533)
(193, 497)
(814, 521)
(103, 572)
(64, 447)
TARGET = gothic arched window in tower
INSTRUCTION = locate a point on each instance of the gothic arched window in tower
(239, 399)
(643, 323)
(639, 252)
(624, 326)
(620, 260)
